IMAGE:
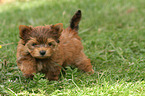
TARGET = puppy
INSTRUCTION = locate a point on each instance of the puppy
(48, 48)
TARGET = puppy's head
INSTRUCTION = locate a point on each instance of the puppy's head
(41, 41)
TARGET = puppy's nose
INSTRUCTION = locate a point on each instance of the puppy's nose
(42, 52)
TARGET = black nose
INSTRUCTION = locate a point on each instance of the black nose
(42, 52)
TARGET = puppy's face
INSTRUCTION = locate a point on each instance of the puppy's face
(41, 50)
(41, 41)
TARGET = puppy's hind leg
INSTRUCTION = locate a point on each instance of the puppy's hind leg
(83, 63)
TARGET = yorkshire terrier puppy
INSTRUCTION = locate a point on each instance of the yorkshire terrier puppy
(48, 48)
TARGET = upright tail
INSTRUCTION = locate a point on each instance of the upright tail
(74, 23)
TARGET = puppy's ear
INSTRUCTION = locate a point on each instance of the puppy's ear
(25, 32)
(57, 28)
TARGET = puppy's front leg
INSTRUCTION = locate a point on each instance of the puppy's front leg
(53, 74)
(27, 65)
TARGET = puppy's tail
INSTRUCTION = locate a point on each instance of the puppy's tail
(74, 23)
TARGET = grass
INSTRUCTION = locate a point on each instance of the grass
(112, 33)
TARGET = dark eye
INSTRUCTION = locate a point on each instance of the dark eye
(50, 44)
(57, 41)
(33, 44)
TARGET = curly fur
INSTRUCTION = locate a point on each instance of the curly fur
(46, 48)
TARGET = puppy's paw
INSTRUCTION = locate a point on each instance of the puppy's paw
(29, 76)
(90, 72)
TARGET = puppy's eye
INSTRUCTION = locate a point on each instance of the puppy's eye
(34, 44)
(50, 44)
(57, 41)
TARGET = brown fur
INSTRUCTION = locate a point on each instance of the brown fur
(46, 48)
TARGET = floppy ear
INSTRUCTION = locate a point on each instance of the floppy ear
(25, 32)
(58, 28)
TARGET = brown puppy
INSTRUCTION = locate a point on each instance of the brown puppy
(48, 48)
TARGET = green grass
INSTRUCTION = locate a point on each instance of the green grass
(112, 33)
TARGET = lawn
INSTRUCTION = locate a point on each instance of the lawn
(113, 35)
